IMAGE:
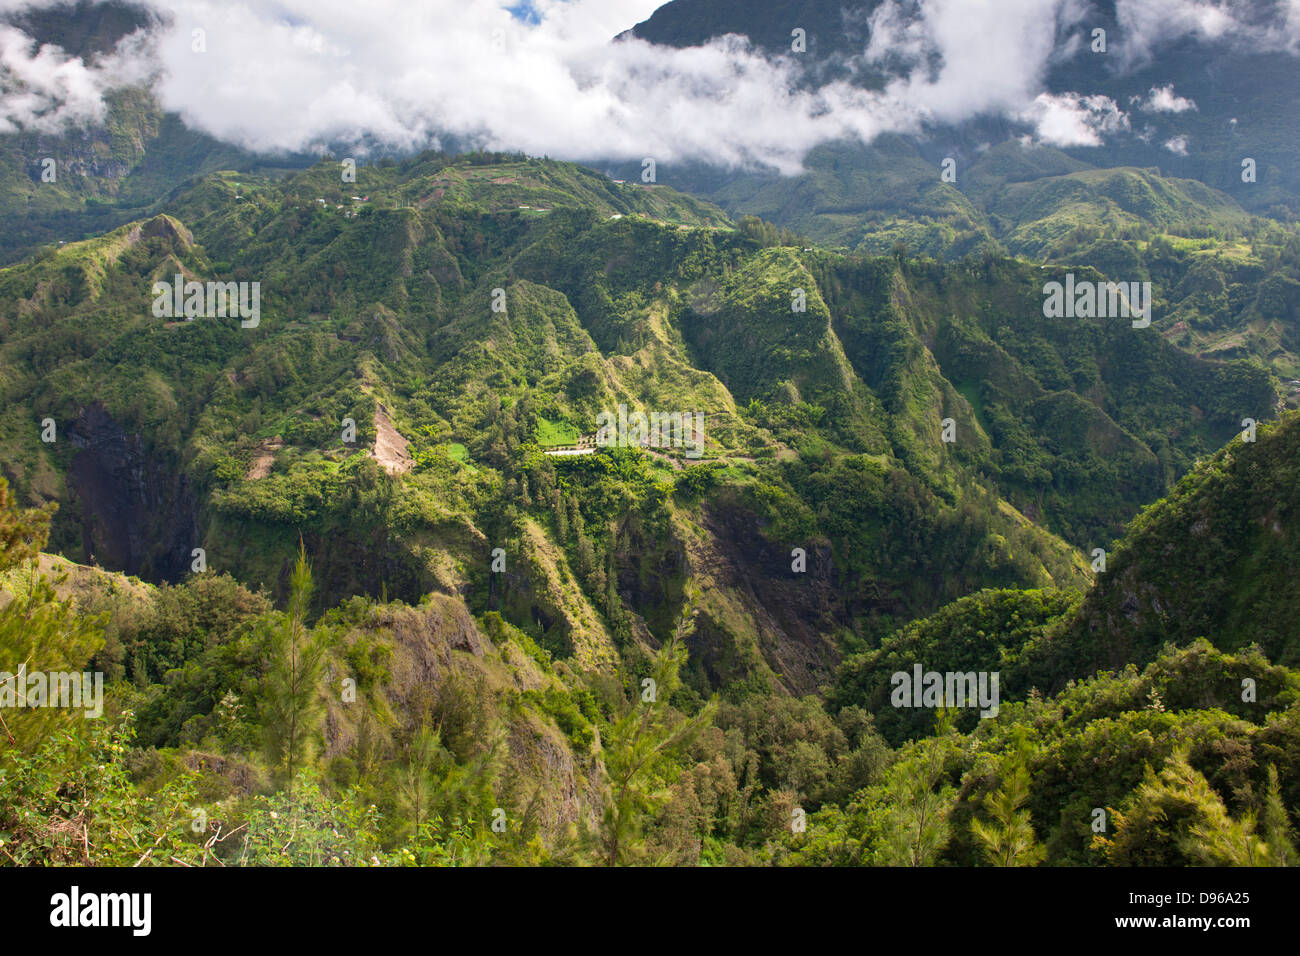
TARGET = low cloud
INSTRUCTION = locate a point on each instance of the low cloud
(1258, 25)
(44, 90)
(1069, 119)
(309, 74)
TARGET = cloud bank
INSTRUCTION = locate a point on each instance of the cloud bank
(295, 75)
(46, 91)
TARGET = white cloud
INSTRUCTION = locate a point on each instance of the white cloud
(1072, 119)
(1146, 24)
(284, 75)
(1163, 100)
(309, 72)
(301, 74)
(991, 54)
(45, 90)
(1177, 145)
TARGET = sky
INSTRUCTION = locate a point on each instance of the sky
(544, 77)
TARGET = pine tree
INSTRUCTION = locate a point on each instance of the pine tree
(1008, 837)
(562, 522)
(1176, 817)
(292, 706)
(1274, 825)
(437, 794)
(585, 558)
(416, 783)
(22, 532)
(639, 746)
(575, 517)
(613, 605)
(920, 799)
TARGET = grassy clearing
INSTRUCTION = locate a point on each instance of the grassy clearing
(550, 434)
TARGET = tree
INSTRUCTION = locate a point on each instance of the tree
(1008, 836)
(38, 635)
(442, 800)
(1175, 817)
(22, 531)
(639, 746)
(292, 705)
(1275, 826)
(416, 782)
(920, 799)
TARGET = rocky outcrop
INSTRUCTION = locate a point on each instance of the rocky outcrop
(436, 657)
(135, 510)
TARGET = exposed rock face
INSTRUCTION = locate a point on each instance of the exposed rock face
(788, 616)
(345, 563)
(264, 458)
(390, 447)
(436, 648)
(136, 513)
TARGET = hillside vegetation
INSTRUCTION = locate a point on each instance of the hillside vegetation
(432, 737)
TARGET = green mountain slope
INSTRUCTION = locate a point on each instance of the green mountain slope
(1206, 563)
(1138, 725)
(1231, 526)
(381, 310)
